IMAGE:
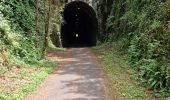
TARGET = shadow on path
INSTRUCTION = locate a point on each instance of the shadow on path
(78, 78)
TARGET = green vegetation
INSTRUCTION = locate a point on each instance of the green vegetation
(18, 82)
(140, 27)
(23, 24)
(143, 27)
(18, 39)
(116, 65)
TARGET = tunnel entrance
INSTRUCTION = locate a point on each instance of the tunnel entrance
(79, 27)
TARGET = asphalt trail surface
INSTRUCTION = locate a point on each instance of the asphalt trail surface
(79, 77)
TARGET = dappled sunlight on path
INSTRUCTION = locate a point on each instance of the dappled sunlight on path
(78, 78)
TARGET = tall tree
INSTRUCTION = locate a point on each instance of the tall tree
(47, 25)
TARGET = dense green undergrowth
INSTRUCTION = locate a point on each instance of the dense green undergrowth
(21, 48)
(143, 27)
(19, 42)
(121, 75)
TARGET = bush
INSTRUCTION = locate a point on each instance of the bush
(17, 31)
(145, 26)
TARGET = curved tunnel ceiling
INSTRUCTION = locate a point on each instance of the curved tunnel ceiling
(79, 27)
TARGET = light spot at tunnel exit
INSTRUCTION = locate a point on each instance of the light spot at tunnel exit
(81, 27)
(77, 35)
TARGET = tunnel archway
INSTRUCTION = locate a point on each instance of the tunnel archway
(79, 26)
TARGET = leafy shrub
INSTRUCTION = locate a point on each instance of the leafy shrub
(17, 31)
(145, 26)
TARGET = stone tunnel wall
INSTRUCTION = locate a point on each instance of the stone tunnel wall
(102, 9)
(80, 25)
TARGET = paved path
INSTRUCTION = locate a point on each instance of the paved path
(79, 77)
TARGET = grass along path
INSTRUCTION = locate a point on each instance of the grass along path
(121, 75)
(18, 81)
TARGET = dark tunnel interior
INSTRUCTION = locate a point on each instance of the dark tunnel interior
(79, 26)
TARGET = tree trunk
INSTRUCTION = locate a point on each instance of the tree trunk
(37, 16)
(47, 25)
